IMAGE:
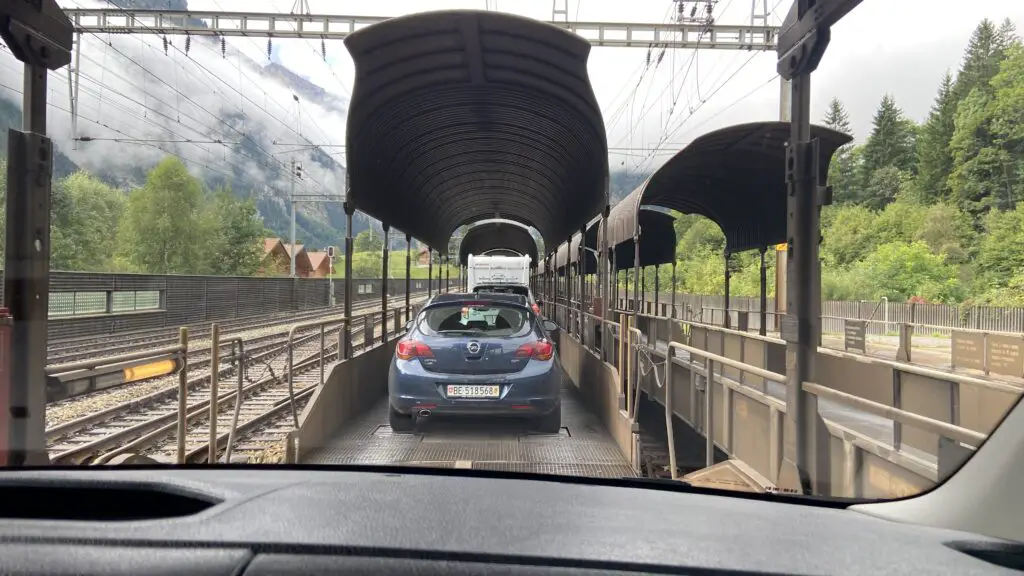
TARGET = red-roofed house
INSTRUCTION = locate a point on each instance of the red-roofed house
(320, 264)
(277, 258)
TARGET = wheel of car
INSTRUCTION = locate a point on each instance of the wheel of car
(551, 422)
(400, 422)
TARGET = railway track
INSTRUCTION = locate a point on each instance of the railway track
(71, 351)
(146, 424)
(263, 337)
(266, 407)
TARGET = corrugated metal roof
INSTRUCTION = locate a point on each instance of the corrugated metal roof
(734, 176)
(494, 235)
(593, 235)
(657, 241)
(458, 116)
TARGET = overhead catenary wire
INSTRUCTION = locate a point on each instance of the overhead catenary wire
(180, 156)
(211, 76)
(330, 69)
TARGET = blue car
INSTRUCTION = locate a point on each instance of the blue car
(476, 355)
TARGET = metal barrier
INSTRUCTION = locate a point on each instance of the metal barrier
(972, 402)
(709, 375)
(239, 358)
(740, 379)
(72, 378)
(182, 394)
(322, 324)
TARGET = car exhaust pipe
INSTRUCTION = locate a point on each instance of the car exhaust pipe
(423, 413)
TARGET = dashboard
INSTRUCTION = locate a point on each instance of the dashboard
(284, 521)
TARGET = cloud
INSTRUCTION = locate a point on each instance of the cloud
(130, 89)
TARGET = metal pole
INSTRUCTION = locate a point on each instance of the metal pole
(606, 292)
(805, 465)
(408, 275)
(292, 251)
(785, 109)
(727, 321)
(291, 379)
(182, 392)
(673, 311)
(214, 381)
(763, 329)
(709, 413)
(384, 288)
(73, 89)
(803, 323)
(330, 279)
(27, 267)
(240, 374)
(322, 346)
(40, 35)
(349, 245)
(657, 290)
(785, 99)
(430, 271)
(636, 278)
(581, 266)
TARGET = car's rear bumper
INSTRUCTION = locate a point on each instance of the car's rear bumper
(532, 408)
(535, 391)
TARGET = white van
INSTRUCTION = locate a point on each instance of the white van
(493, 270)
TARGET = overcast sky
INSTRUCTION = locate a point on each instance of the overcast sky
(897, 46)
(901, 47)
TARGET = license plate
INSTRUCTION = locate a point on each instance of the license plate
(465, 391)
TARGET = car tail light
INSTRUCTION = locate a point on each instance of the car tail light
(541, 350)
(409, 349)
(536, 309)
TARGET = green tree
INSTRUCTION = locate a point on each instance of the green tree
(947, 231)
(935, 161)
(702, 236)
(234, 234)
(899, 270)
(162, 231)
(842, 170)
(891, 143)
(848, 234)
(979, 177)
(981, 59)
(367, 241)
(1000, 256)
(367, 264)
(885, 185)
(86, 213)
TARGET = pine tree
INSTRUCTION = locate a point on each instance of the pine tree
(842, 173)
(1006, 36)
(891, 144)
(836, 118)
(935, 160)
(981, 58)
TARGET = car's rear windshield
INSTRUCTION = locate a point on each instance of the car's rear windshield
(488, 319)
(503, 290)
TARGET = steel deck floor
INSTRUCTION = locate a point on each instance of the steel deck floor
(581, 448)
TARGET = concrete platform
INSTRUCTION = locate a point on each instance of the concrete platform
(581, 448)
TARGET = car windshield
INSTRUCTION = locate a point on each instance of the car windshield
(476, 319)
(499, 289)
(610, 238)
